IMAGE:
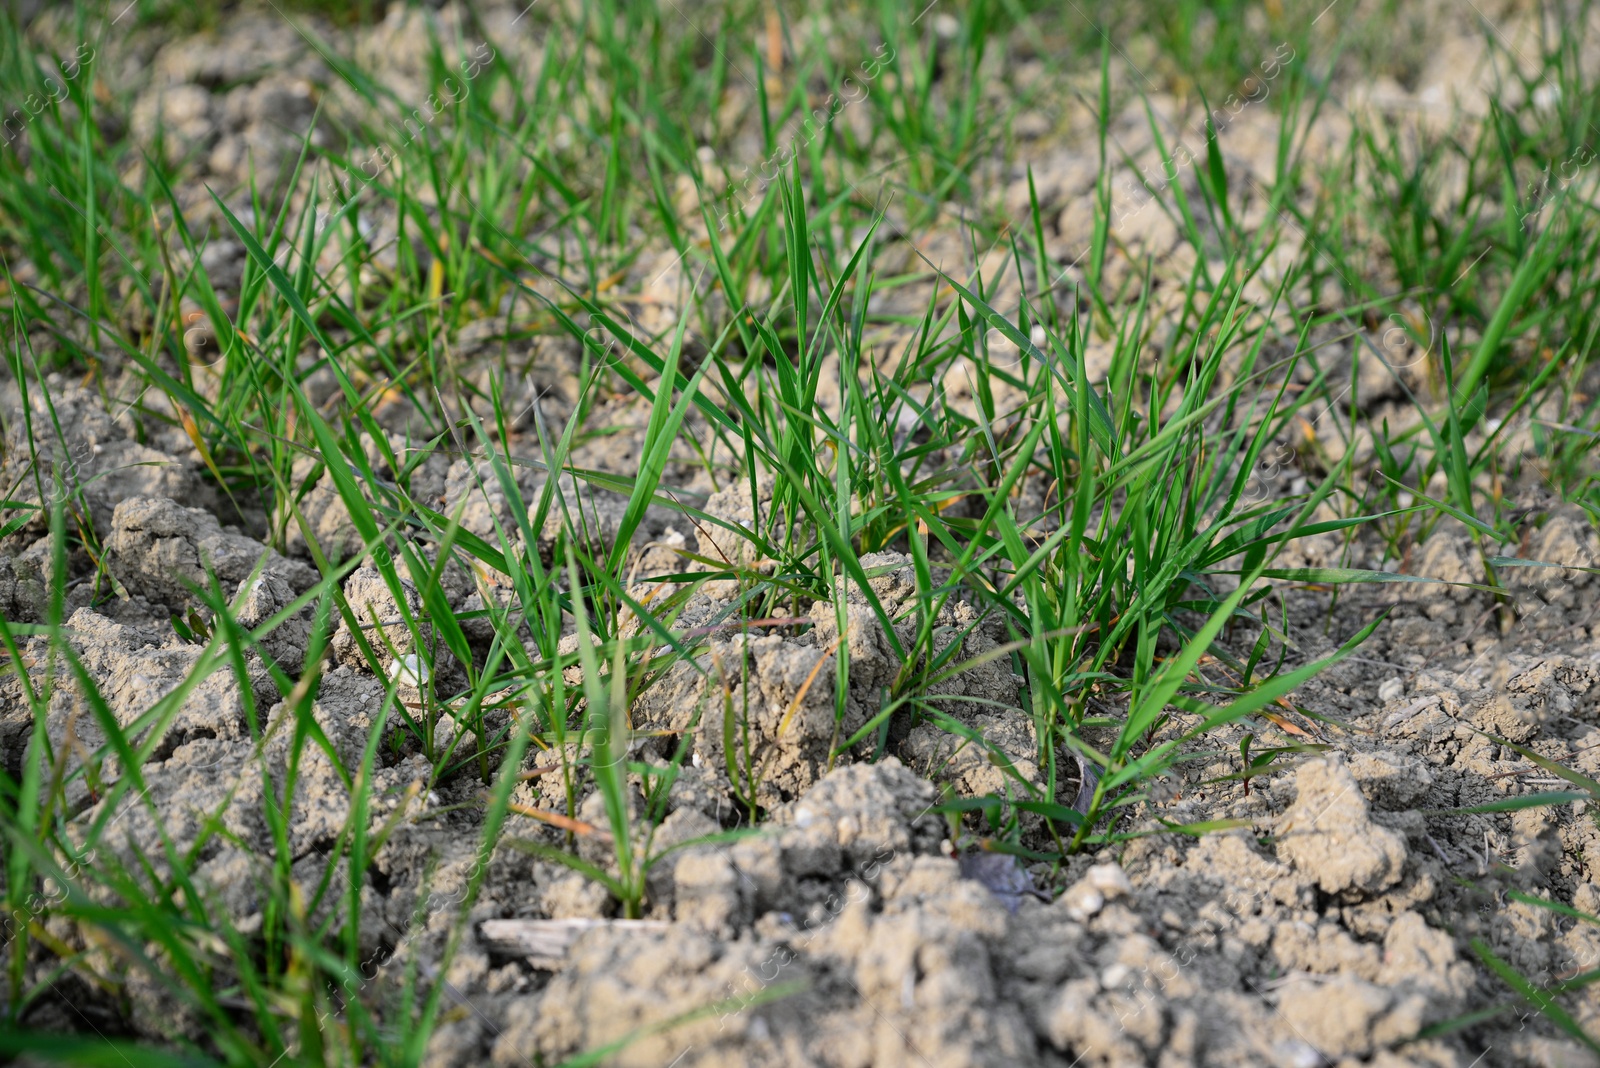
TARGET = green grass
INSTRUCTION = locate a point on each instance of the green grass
(1139, 587)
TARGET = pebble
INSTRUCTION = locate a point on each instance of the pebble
(1109, 879)
(409, 670)
(1082, 900)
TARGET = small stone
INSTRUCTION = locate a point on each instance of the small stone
(409, 670)
(1115, 976)
(1109, 879)
(1082, 900)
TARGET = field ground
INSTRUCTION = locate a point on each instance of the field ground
(986, 533)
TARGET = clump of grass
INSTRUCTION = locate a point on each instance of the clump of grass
(1108, 523)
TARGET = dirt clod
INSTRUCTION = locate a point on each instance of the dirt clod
(1329, 835)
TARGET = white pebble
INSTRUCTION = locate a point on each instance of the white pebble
(409, 670)
(1115, 976)
(1082, 900)
(1109, 879)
